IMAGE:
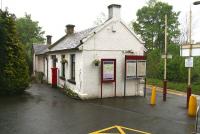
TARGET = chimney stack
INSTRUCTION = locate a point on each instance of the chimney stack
(49, 39)
(69, 29)
(114, 11)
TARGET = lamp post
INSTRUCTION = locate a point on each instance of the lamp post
(165, 63)
(189, 89)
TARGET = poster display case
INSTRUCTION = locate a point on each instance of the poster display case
(141, 68)
(131, 71)
(135, 69)
(108, 72)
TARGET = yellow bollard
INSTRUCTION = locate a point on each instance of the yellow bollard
(153, 96)
(192, 106)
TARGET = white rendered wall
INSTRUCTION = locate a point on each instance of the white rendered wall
(39, 63)
(45, 69)
(122, 39)
(78, 70)
(92, 77)
(109, 44)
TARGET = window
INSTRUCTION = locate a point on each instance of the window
(54, 60)
(62, 66)
(73, 67)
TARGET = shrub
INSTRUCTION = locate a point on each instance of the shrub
(176, 70)
(39, 77)
(14, 77)
(70, 93)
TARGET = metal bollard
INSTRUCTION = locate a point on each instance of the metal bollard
(153, 96)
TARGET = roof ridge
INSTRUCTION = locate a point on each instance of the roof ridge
(86, 29)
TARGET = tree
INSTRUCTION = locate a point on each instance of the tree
(14, 76)
(29, 32)
(150, 24)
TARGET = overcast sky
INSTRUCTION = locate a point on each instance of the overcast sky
(53, 15)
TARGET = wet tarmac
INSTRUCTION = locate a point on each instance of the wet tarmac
(43, 110)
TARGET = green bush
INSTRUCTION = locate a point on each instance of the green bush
(176, 70)
(39, 77)
(14, 76)
(179, 86)
(70, 93)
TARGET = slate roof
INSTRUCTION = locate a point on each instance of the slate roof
(70, 41)
(40, 49)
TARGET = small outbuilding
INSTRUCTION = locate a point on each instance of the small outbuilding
(103, 61)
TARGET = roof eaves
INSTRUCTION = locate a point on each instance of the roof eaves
(71, 49)
(96, 30)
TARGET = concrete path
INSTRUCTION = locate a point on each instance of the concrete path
(43, 110)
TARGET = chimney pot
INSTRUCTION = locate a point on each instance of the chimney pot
(114, 11)
(49, 39)
(69, 29)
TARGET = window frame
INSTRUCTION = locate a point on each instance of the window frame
(62, 66)
(72, 69)
(54, 60)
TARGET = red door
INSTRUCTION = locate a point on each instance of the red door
(54, 76)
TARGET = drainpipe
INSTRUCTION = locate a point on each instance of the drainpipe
(47, 68)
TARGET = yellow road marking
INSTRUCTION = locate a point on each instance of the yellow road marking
(105, 129)
(135, 130)
(119, 128)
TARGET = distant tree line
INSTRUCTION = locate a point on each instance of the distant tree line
(150, 25)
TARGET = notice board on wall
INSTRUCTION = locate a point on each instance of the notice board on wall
(108, 70)
(131, 66)
(108, 73)
(141, 68)
(135, 67)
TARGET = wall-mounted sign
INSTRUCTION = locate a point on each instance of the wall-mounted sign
(108, 70)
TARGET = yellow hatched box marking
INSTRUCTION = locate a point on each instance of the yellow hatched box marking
(120, 129)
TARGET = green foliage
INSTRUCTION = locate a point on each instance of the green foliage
(154, 64)
(196, 71)
(70, 93)
(176, 70)
(150, 24)
(14, 76)
(39, 77)
(180, 86)
(29, 33)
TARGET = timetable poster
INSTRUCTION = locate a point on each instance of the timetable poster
(108, 70)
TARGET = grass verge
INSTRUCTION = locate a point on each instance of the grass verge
(175, 85)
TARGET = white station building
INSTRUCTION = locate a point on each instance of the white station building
(92, 62)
